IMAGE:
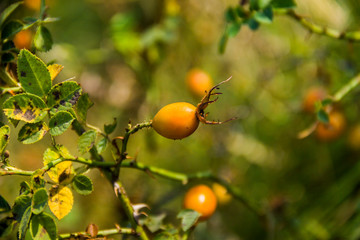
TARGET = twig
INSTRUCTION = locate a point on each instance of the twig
(322, 30)
(101, 233)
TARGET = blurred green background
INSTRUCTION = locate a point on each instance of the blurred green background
(132, 58)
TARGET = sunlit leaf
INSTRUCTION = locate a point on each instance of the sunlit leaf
(32, 132)
(153, 222)
(21, 204)
(6, 13)
(86, 141)
(54, 70)
(63, 96)
(43, 227)
(64, 152)
(42, 39)
(109, 128)
(263, 3)
(188, 218)
(39, 201)
(24, 223)
(265, 16)
(82, 184)
(33, 74)
(54, 173)
(60, 122)
(83, 106)
(4, 137)
(233, 29)
(25, 107)
(60, 201)
(102, 145)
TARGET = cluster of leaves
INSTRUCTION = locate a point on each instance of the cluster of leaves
(252, 13)
(45, 108)
(162, 231)
(42, 39)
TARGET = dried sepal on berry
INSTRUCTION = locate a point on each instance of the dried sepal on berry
(205, 102)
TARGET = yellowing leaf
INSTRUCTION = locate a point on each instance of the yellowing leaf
(52, 154)
(61, 201)
(54, 70)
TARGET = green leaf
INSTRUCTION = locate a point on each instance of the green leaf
(32, 132)
(24, 187)
(43, 227)
(102, 145)
(283, 4)
(42, 39)
(222, 43)
(233, 29)
(327, 101)
(64, 152)
(109, 128)
(322, 116)
(63, 96)
(6, 226)
(37, 179)
(265, 16)
(254, 4)
(230, 15)
(4, 137)
(42, 8)
(33, 74)
(4, 205)
(6, 13)
(83, 106)
(86, 141)
(253, 25)
(168, 234)
(24, 223)
(60, 122)
(263, 3)
(153, 222)
(241, 13)
(39, 201)
(25, 107)
(21, 204)
(10, 29)
(188, 218)
(82, 184)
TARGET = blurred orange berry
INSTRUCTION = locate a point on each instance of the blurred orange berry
(313, 95)
(198, 81)
(201, 199)
(333, 129)
(221, 193)
(33, 4)
(23, 39)
(354, 137)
